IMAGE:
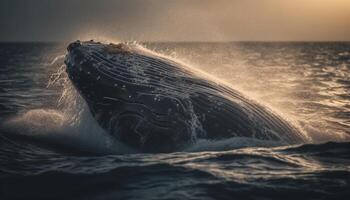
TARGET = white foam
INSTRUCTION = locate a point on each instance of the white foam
(70, 124)
(56, 127)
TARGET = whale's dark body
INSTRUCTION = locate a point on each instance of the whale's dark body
(156, 104)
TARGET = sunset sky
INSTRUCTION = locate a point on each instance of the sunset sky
(175, 20)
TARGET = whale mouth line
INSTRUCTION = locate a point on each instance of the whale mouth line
(177, 106)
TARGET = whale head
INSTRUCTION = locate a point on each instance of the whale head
(99, 70)
(124, 87)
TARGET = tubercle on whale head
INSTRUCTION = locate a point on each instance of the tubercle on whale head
(73, 45)
(119, 48)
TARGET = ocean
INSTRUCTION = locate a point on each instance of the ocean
(52, 148)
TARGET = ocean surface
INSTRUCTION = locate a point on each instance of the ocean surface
(52, 148)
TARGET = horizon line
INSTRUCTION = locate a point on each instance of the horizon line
(186, 41)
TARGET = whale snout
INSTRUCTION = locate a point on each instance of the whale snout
(72, 46)
(92, 74)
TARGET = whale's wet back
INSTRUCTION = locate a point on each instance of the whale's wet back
(156, 104)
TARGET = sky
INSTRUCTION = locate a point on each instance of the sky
(175, 20)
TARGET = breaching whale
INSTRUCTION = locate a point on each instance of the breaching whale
(156, 104)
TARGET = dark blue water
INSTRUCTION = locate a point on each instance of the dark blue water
(51, 148)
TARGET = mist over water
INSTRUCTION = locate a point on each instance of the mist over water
(48, 131)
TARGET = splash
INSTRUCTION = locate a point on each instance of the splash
(70, 125)
(256, 96)
(278, 79)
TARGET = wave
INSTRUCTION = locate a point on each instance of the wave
(332, 150)
(229, 144)
(307, 171)
(56, 128)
